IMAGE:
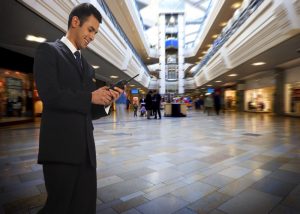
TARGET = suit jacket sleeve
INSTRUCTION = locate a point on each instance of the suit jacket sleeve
(50, 92)
(97, 111)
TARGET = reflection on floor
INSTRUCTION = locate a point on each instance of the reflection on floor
(233, 163)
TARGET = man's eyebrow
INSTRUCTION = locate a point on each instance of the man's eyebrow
(93, 29)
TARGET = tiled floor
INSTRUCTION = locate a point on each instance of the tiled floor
(233, 163)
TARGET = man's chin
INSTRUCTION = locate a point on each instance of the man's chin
(83, 46)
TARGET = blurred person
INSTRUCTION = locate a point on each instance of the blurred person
(217, 102)
(208, 103)
(149, 104)
(156, 105)
(143, 111)
(135, 109)
(121, 106)
(66, 85)
(142, 106)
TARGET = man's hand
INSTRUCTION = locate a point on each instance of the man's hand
(116, 93)
(102, 96)
(105, 96)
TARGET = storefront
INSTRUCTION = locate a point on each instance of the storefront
(17, 98)
(16, 95)
(259, 100)
(230, 99)
(292, 92)
(259, 92)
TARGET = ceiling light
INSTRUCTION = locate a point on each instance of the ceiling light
(95, 66)
(215, 36)
(132, 85)
(204, 52)
(258, 63)
(114, 77)
(209, 85)
(203, 88)
(232, 75)
(223, 24)
(200, 57)
(236, 5)
(148, 57)
(32, 38)
(218, 81)
(209, 45)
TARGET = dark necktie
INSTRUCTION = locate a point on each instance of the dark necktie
(78, 59)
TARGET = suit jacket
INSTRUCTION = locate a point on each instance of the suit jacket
(66, 132)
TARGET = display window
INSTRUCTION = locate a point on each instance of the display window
(292, 98)
(259, 100)
(16, 95)
(230, 99)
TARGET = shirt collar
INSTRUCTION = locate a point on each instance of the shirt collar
(69, 44)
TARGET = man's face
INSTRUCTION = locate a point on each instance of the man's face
(85, 33)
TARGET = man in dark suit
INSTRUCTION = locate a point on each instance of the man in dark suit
(156, 105)
(66, 85)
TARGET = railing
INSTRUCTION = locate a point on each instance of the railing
(226, 34)
(121, 32)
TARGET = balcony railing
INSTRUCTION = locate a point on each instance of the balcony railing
(228, 32)
(121, 32)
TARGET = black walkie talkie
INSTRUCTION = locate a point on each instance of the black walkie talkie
(122, 83)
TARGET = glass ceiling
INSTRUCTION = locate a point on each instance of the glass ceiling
(195, 14)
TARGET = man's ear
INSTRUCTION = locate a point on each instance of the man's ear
(75, 21)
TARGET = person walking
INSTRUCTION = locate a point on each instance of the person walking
(208, 103)
(121, 107)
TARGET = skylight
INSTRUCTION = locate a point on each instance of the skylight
(195, 13)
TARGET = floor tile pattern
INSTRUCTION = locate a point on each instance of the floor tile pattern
(232, 163)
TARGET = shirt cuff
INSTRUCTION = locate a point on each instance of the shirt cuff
(107, 109)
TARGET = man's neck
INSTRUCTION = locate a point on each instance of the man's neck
(71, 40)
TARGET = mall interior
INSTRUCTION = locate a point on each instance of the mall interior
(245, 52)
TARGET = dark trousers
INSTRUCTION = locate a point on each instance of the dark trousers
(157, 111)
(71, 188)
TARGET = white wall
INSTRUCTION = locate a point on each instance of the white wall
(293, 75)
(261, 82)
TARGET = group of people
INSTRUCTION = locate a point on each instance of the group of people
(151, 104)
(148, 106)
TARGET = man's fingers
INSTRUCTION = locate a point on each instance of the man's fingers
(118, 90)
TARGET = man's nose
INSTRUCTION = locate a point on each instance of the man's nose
(92, 37)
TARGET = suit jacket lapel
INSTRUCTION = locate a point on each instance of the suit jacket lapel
(69, 55)
(87, 72)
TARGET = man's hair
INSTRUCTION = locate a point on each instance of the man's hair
(82, 11)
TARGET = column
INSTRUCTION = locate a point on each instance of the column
(278, 103)
(240, 96)
(180, 54)
(162, 54)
